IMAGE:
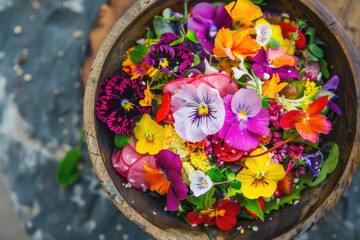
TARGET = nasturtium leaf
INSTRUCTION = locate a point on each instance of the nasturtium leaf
(138, 53)
(324, 68)
(252, 205)
(121, 141)
(67, 171)
(192, 36)
(316, 51)
(274, 43)
(204, 201)
(161, 26)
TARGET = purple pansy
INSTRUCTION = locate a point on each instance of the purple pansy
(198, 111)
(118, 103)
(173, 59)
(314, 162)
(245, 120)
(262, 66)
(328, 89)
(206, 20)
(171, 165)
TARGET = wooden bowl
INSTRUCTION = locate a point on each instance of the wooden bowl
(291, 221)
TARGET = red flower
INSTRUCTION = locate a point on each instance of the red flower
(223, 214)
(310, 123)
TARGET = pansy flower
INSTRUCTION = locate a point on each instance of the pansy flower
(166, 178)
(198, 112)
(136, 70)
(172, 59)
(236, 46)
(274, 61)
(308, 123)
(222, 214)
(245, 120)
(149, 134)
(260, 177)
(200, 183)
(314, 162)
(118, 103)
(328, 89)
(206, 20)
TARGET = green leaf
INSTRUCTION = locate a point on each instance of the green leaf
(158, 87)
(265, 103)
(161, 26)
(278, 203)
(236, 185)
(324, 68)
(197, 60)
(121, 141)
(138, 53)
(216, 174)
(192, 36)
(67, 171)
(294, 36)
(204, 201)
(177, 41)
(230, 176)
(233, 191)
(274, 43)
(311, 32)
(252, 205)
(316, 51)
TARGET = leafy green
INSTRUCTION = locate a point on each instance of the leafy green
(324, 68)
(121, 141)
(274, 43)
(252, 205)
(67, 171)
(197, 60)
(177, 41)
(316, 51)
(138, 53)
(192, 36)
(161, 26)
(204, 201)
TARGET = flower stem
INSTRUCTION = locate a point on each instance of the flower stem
(223, 182)
(274, 147)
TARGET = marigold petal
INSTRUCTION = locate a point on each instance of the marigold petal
(317, 106)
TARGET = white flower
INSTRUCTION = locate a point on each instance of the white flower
(263, 34)
(200, 183)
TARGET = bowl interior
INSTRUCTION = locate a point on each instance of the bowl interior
(344, 128)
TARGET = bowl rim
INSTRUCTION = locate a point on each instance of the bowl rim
(97, 156)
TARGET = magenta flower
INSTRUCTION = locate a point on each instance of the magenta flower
(118, 103)
(266, 63)
(198, 111)
(245, 120)
(206, 20)
(171, 165)
(173, 59)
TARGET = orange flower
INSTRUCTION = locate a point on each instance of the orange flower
(156, 179)
(243, 11)
(272, 86)
(237, 45)
(310, 123)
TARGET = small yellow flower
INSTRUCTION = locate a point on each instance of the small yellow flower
(271, 87)
(174, 142)
(149, 134)
(147, 101)
(200, 161)
(260, 177)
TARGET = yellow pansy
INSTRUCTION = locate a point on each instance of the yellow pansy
(149, 134)
(243, 12)
(260, 177)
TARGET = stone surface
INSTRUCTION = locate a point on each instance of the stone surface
(42, 47)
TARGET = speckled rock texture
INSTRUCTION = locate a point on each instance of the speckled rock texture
(42, 48)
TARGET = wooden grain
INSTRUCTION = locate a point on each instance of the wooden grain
(316, 202)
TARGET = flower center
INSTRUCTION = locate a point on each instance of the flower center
(242, 114)
(203, 110)
(164, 62)
(213, 31)
(127, 105)
(149, 137)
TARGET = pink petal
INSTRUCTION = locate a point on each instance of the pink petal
(259, 124)
(240, 138)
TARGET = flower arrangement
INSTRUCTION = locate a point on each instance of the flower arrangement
(220, 111)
